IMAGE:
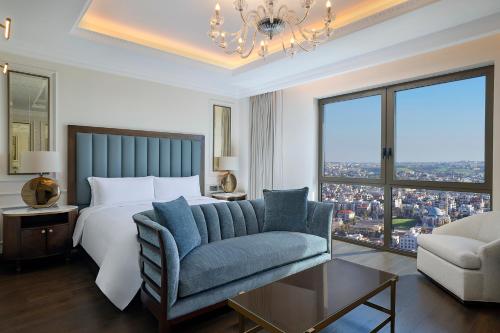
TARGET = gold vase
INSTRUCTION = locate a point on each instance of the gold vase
(41, 192)
(228, 182)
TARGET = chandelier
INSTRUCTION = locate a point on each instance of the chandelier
(268, 22)
(6, 35)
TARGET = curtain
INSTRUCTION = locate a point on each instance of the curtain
(265, 143)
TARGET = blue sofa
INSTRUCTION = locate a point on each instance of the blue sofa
(235, 255)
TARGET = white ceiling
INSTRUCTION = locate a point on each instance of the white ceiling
(50, 30)
(181, 27)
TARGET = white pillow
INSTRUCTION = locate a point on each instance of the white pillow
(108, 191)
(170, 188)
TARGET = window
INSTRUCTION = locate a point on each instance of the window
(353, 156)
(405, 159)
(358, 211)
(439, 132)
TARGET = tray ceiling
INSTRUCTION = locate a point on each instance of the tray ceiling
(180, 27)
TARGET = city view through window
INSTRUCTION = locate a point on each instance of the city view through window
(437, 136)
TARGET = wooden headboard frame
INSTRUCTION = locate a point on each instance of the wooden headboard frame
(74, 129)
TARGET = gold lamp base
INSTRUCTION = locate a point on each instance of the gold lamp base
(228, 182)
(41, 192)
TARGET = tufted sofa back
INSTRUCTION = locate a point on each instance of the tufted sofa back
(223, 220)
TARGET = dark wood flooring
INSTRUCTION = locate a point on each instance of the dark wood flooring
(54, 296)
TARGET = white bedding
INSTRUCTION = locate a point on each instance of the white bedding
(108, 234)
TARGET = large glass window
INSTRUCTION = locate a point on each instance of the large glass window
(439, 132)
(421, 151)
(358, 211)
(348, 155)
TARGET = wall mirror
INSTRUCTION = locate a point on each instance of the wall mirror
(222, 133)
(29, 116)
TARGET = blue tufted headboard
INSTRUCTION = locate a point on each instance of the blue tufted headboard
(112, 152)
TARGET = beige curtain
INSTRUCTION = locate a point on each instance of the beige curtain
(265, 143)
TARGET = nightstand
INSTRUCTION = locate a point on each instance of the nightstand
(37, 233)
(235, 196)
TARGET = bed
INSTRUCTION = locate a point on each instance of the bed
(106, 231)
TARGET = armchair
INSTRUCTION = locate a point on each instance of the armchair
(464, 257)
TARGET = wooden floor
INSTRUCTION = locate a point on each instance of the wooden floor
(54, 296)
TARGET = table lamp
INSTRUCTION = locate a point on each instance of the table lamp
(228, 164)
(40, 192)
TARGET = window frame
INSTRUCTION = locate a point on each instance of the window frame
(343, 98)
(388, 180)
(488, 73)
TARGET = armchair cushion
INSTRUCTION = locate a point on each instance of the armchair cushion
(220, 262)
(461, 251)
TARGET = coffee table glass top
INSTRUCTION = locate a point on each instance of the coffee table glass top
(303, 300)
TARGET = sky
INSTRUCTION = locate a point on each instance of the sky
(439, 123)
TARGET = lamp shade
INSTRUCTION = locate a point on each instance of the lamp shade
(229, 163)
(40, 162)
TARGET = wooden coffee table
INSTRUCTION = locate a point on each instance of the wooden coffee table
(311, 300)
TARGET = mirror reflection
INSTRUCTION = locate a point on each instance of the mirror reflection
(29, 109)
(222, 133)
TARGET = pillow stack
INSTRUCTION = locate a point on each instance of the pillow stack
(110, 191)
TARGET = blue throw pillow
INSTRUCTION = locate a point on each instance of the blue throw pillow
(178, 218)
(286, 210)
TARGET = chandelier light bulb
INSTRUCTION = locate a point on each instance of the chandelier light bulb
(7, 28)
(217, 8)
(5, 68)
(328, 4)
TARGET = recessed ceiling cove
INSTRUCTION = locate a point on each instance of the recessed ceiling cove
(181, 27)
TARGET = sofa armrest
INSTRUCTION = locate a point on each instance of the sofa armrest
(320, 221)
(152, 234)
(490, 268)
(467, 227)
(491, 251)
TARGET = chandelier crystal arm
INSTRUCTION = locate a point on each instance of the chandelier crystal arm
(247, 54)
(299, 43)
(268, 20)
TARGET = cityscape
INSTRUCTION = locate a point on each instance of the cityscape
(461, 171)
(359, 209)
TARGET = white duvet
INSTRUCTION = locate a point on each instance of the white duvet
(108, 234)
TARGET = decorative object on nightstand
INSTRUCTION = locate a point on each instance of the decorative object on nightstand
(40, 192)
(235, 196)
(228, 164)
(37, 233)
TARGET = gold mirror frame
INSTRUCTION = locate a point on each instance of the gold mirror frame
(221, 141)
(39, 136)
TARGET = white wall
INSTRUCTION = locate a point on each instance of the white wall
(301, 110)
(86, 97)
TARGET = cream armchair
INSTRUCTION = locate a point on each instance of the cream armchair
(464, 257)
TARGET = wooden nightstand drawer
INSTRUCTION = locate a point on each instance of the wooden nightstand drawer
(33, 243)
(57, 238)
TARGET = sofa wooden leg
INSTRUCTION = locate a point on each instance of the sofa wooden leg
(165, 326)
